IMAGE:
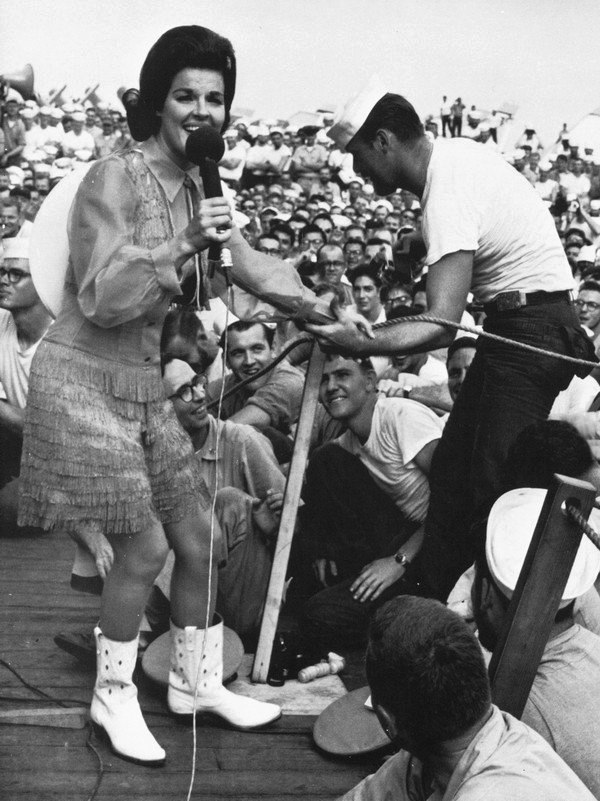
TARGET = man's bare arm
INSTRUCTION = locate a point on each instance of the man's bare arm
(11, 417)
(448, 284)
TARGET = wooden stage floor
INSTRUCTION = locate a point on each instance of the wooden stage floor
(39, 763)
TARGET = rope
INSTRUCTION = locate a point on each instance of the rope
(63, 703)
(412, 319)
(486, 335)
(583, 524)
(224, 395)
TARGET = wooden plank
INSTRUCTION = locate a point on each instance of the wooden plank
(293, 486)
(134, 782)
(54, 763)
(537, 595)
(57, 717)
(280, 756)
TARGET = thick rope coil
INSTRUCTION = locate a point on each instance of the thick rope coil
(583, 524)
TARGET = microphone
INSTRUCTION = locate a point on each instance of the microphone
(205, 147)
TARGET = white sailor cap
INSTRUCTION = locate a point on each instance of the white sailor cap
(16, 175)
(382, 202)
(510, 528)
(348, 122)
(16, 247)
(177, 373)
(340, 220)
(587, 253)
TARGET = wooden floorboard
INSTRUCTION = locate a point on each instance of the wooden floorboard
(44, 763)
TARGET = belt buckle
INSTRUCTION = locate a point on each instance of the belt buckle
(509, 301)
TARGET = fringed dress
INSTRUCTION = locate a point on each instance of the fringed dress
(102, 448)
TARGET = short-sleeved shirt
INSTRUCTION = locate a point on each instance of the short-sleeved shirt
(400, 429)
(505, 760)
(475, 201)
(15, 362)
(564, 702)
(280, 397)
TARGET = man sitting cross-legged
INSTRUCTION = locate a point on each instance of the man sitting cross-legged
(237, 463)
(366, 497)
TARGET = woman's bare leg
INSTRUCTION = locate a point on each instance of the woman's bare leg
(190, 540)
(138, 559)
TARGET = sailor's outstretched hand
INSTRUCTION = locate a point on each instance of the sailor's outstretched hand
(349, 334)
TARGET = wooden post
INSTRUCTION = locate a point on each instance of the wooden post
(291, 498)
(537, 595)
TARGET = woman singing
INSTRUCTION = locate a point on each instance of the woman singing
(103, 451)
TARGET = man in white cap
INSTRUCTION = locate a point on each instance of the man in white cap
(232, 163)
(78, 139)
(545, 186)
(564, 701)
(486, 231)
(23, 323)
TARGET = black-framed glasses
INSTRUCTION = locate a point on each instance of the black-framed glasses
(13, 275)
(587, 304)
(331, 264)
(186, 391)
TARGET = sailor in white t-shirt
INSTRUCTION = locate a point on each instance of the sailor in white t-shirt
(366, 499)
(23, 322)
(486, 231)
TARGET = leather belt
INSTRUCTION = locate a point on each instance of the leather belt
(511, 301)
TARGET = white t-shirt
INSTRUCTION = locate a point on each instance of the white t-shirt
(400, 429)
(73, 142)
(474, 200)
(15, 362)
(576, 398)
(575, 184)
(546, 189)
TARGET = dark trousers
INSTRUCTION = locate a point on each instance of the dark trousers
(346, 518)
(446, 123)
(505, 390)
(456, 126)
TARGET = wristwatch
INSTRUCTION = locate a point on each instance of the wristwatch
(402, 559)
(406, 392)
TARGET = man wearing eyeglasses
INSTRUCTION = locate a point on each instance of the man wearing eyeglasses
(332, 267)
(237, 462)
(23, 323)
(588, 310)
